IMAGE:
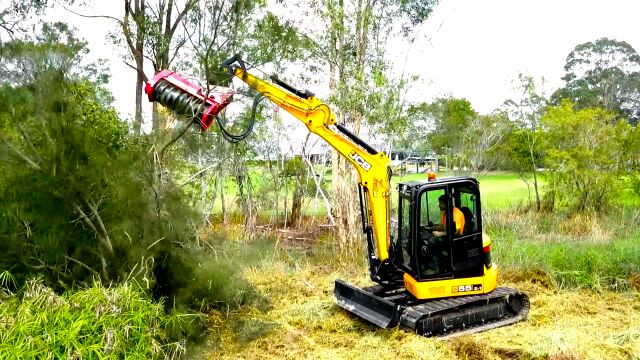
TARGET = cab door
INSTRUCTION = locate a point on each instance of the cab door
(433, 240)
(466, 245)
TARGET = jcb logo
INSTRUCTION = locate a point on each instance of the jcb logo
(359, 160)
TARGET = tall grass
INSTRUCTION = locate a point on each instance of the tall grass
(94, 323)
(598, 252)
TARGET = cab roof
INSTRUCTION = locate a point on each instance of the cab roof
(437, 181)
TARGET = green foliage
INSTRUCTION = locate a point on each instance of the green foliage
(584, 155)
(229, 27)
(84, 199)
(604, 73)
(522, 148)
(61, 150)
(94, 323)
(518, 152)
(276, 41)
(469, 140)
(54, 49)
(12, 16)
(294, 167)
(451, 117)
(634, 183)
(417, 11)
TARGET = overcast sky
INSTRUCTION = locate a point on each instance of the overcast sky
(468, 48)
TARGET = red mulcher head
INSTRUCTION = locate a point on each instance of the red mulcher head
(183, 97)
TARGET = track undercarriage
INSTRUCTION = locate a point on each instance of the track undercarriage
(444, 318)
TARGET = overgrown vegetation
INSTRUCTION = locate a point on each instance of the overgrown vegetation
(81, 201)
(574, 251)
(93, 323)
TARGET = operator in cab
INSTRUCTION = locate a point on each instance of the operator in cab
(458, 217)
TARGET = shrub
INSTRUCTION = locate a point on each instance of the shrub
(97, 322)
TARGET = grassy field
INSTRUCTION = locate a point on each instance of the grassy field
(498, 190)
(581, 273)
(302, 322)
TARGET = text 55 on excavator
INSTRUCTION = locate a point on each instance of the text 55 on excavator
(434, 273)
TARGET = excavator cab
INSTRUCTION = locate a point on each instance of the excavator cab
(449, 281)
(439, 239)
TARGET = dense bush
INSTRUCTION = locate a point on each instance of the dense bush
(93, 323)
(585, 156)
(82, 199)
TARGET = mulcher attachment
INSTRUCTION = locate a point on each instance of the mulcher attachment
(178, 94)
(441, 318)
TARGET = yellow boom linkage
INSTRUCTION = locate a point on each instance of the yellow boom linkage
(373, 169)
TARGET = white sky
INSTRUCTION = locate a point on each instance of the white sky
(477, 48)
(468, 48)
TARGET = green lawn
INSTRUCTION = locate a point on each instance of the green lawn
(498, 190)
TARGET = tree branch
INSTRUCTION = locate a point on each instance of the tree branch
(186, 9)
(126, 31)
(318, 187)
(28, 140)
(83, 215)
(105, 235)
(21, 154)
(175, 138)
(193, 177)
(178, 47)
(82, 264)
(144, 76)
(89, 16)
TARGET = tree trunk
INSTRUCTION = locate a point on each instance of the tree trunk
(535, 174)
(296, 204)
(137, 125)
(343, 184)
(535, 188)
(222, 201)
(344, 196)
(136, 47)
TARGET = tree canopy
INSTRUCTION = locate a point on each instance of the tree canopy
(604, 73)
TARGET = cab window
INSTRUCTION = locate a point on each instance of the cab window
(466, 199)
(433, 248)
(430, 213)
(404, 231)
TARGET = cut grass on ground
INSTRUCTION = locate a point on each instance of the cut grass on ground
(574, 314)
(304, 323)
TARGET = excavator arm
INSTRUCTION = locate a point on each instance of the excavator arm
(374, 174)
(372, 166)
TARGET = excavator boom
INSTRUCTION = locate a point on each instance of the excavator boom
(372, 166)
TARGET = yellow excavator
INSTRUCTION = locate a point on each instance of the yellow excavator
(433, 272)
